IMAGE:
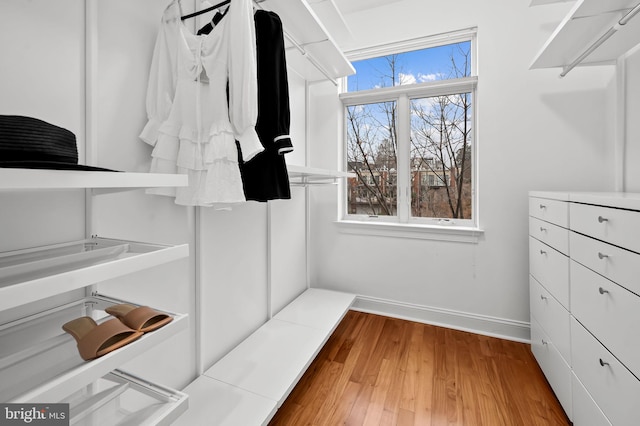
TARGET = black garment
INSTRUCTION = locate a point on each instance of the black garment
(214, 21)
(265, 176)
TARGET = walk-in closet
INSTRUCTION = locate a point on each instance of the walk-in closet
(290, 212)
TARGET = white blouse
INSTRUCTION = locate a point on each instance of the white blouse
(191, 125)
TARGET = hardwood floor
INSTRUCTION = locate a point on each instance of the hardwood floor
(377, 370)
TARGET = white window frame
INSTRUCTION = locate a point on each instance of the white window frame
(404, 225)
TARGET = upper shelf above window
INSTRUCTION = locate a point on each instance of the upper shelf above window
(311, 51)
(541, 2)
(590, 34)
(22, 179)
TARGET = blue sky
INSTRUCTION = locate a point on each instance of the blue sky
(412, 67)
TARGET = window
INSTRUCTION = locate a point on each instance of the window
(409, 117)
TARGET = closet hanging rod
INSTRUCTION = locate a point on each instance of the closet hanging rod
(297, 45)
(303, 51)
(623, 21)
(310, 58)
(209, 9)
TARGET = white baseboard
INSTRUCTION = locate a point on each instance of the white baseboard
(518, 331)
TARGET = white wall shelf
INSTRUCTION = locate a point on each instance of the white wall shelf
(42, 179)
(35, 274)
(583, 26)
(124, 399)
(301, 175)
(263, 369)
(39, 362)
(542, 2)
(311, 51)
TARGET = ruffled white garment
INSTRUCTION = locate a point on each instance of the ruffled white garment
(191, 125)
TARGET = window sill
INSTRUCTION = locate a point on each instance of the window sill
(412, 230)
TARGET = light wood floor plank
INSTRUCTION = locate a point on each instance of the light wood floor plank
(376, 370)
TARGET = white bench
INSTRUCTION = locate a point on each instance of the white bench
(249, 384)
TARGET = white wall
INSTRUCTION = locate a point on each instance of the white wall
(632, 126)
(41, 76)
(536, 131)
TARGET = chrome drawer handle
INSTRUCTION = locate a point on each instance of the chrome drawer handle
(543, 252)
(544, 342)
(602, 219)
(542, 297)
(602, 290)
(542, 206)
(543, 229)
(602, 255)
(603, 363)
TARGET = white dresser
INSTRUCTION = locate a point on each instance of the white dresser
(584, 255)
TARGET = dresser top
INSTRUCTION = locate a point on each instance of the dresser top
(622, 200)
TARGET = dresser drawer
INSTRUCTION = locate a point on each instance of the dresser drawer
(612, 386)
(553, 235)
(551, 269)
(553, 211)
(609, 311)
(554, 367)
(615, 226)
(585, 410)
(619, 265)
(552, 317)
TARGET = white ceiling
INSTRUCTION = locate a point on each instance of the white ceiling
(334, 14)
(350, 6)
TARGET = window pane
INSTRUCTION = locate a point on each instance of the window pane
(371, 154)
(418, 66)
(441, 157)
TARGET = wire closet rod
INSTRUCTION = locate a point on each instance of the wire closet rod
(626, 18)
(214, 7)
(297, 45)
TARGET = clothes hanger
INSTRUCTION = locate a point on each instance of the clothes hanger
(214, 21)
(208, 9)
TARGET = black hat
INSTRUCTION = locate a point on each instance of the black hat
(30, 143)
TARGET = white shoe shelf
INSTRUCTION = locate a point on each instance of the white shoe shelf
(249, 384)
(34, 274)
(39, 362)
(120, 398)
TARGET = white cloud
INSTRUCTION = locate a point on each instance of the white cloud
(427, 77)
(413, 79)
(406, 79)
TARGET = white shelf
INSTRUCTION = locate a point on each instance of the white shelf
(35, 274)
(39, 179)
(587, 21)
(271, 360)
(123, 399)
(265, 367)
(40, 363)
(212, 402)
(309, 175)
(301, 23)
(542, 2)
(318, 309)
